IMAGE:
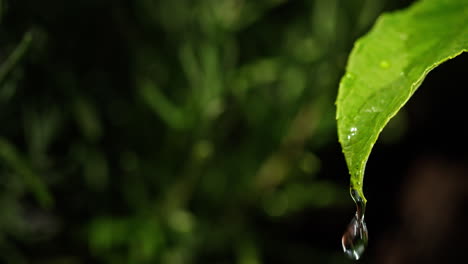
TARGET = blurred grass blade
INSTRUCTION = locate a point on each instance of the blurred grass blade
(10, 156)
(387, 66)
(15, 56)
(161, 106)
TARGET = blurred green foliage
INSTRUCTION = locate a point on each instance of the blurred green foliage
(162, 131)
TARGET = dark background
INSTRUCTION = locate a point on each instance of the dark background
(204, 132)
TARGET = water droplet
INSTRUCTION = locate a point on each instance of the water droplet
(354, 240)
(350, 76)
(352, 132)
(385, 64)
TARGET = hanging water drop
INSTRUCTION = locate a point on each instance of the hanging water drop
(354, 240)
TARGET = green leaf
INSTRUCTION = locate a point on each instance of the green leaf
(387, 66)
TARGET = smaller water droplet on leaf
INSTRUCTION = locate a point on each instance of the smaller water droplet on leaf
(350, 76)
(384, 64)
(352, 133)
